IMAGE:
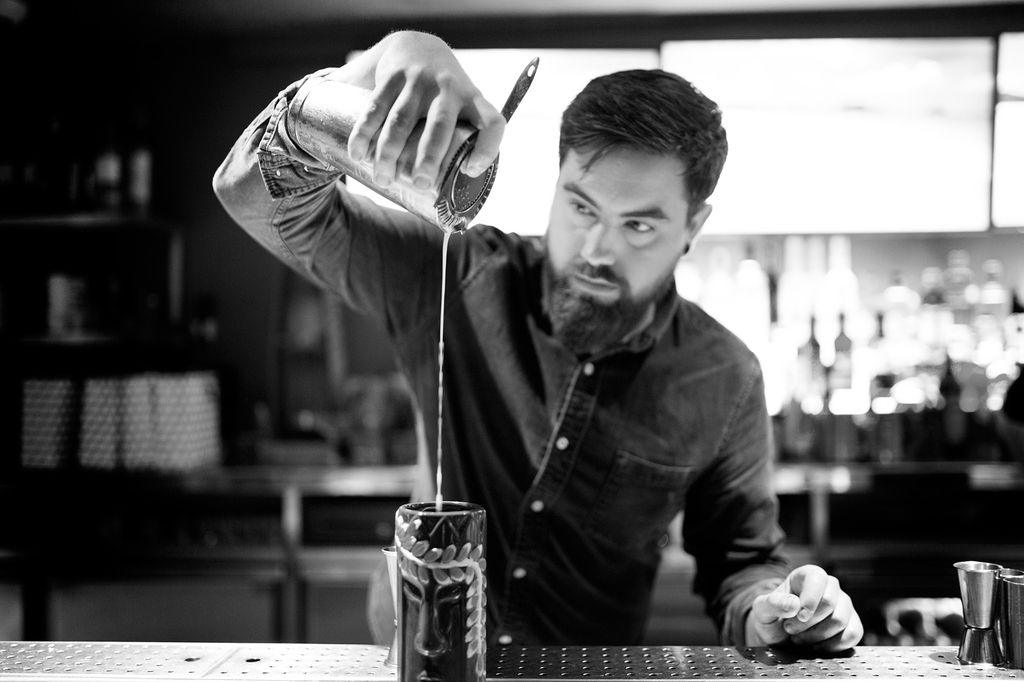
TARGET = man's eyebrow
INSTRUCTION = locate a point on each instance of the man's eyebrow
(576, 189)
(654, 212)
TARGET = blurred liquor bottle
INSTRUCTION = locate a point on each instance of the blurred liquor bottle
(772, 263)
(989, 323)
(1015, 325)
(794, 297)
(993, 297)
(899, 341)
(842, 401)
(718, 295)
(936, 319)
(752, 301)
(954, 419)
(804, 418)
(961, 289)
(839, 293)
(108, 170)
(139, 189)
(8, 174)
(841, 372)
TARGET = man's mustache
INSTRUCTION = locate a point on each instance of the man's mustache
(604, 272)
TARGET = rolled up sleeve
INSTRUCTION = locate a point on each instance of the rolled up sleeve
(264, 166)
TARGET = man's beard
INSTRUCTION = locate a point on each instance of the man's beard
(585, 325)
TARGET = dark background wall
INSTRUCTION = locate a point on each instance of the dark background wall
(200, 81)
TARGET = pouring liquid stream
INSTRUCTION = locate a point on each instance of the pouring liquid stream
(511, 104)
(439, 500)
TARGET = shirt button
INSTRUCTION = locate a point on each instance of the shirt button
(519, 573)
(277, 173)
(537, 506)
(588, 369)
(505, 640)
(562, 443)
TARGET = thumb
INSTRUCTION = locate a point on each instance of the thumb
(491, 126)
(776, 606)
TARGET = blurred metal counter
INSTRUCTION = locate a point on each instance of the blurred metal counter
(39, 661)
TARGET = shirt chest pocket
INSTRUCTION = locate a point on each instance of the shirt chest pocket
(637, 501)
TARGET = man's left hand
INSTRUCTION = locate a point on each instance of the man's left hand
(809, 609)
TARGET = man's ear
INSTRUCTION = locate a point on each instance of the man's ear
(697, 221)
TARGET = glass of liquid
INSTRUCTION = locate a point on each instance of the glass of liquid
(442, 596)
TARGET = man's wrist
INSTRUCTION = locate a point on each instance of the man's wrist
(750, 634)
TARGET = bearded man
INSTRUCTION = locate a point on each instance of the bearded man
(586, 404)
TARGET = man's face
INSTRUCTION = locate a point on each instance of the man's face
(615, 234)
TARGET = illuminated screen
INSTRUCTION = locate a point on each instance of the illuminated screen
(848, 135)
(1008, 165)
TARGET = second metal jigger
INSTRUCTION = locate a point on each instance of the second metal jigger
(978, 593)
(1010, 618)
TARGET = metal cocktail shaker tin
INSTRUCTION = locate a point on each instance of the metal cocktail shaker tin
(324, 115)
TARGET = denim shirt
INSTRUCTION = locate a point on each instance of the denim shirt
(580, 464)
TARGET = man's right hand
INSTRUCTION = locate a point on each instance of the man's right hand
(810, 609)
(415, 78)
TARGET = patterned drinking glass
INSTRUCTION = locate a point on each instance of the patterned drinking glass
(443, 596)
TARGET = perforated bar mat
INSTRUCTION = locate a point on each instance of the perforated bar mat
(38, 661)
(727, 663)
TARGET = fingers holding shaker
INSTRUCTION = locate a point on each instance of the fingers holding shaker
(326, 114)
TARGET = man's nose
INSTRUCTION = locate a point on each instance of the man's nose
(597, 245)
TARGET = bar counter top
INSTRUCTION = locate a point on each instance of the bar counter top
(123, 661)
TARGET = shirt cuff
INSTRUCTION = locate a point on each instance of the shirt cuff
(287, 169)
(734, 630)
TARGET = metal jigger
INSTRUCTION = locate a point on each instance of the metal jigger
(392, 560)
(979, 643)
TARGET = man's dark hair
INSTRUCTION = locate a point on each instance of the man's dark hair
(653, 111)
